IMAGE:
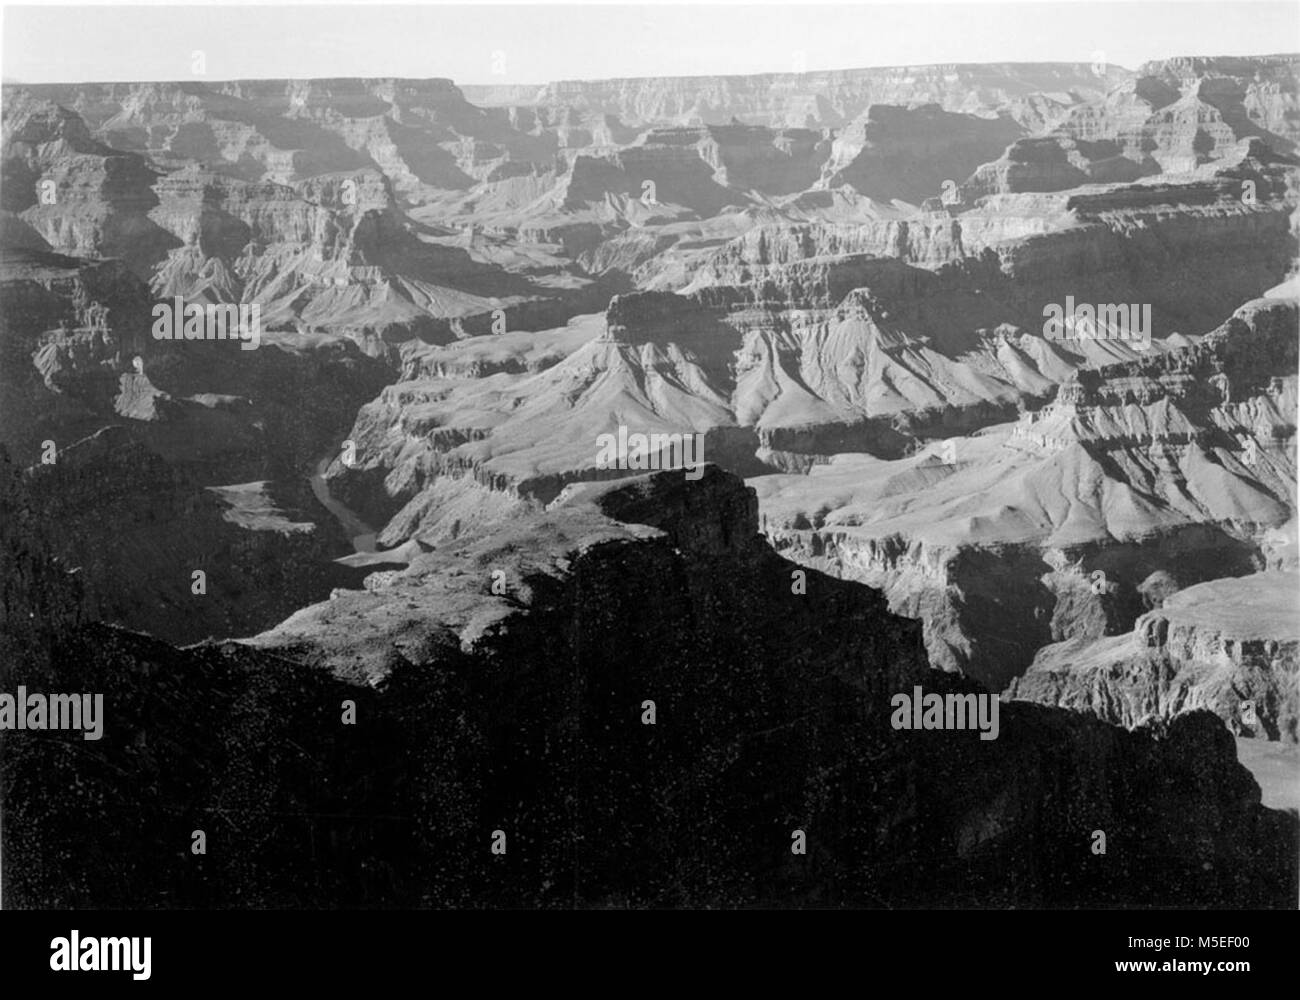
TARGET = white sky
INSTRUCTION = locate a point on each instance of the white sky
(544, 42)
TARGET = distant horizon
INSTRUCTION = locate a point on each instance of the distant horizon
(532, 45)
(524, 84)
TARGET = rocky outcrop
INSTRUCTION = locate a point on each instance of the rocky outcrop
(786, 349)
(1228, 646)
(68, 329)
(308, 229)
(332, 254)
(423, 131)
(1258, 95)
(83, 197)
(1051, 527)
(1052, 163)
(1182, 113)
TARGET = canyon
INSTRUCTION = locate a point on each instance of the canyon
(838, 280)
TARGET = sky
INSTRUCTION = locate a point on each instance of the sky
(486, 43)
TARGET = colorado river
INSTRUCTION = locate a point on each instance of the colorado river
(362, 535)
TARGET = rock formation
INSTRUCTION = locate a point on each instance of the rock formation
(836, 286)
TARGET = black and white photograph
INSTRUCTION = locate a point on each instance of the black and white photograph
(650, 457)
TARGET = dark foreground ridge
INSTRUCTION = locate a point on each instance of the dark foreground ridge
(521, 711)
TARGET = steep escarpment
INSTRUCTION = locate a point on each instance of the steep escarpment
(1178, 114)
(1050, 528)
(791, 345)
(672, 186)
(1052, 163)
(832, 97)
(290, 204)
(421, 131)
(333, 255)
(1228, 646)
(82, 197)
(570, 168)
(68, 327)
(1257, 95)
(520, 719)
(1035, 204)
(776, 285)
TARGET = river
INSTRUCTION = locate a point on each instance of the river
(362, 534)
